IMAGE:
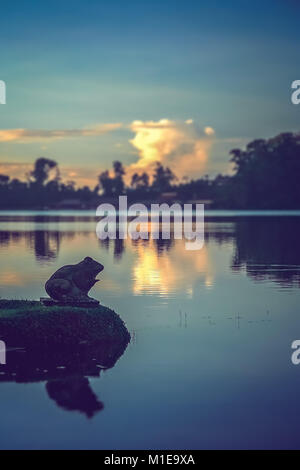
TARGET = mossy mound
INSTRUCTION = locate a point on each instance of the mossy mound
(61, 346)
(31, 325)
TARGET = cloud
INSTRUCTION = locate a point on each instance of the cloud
(183, 146)
(29, 135)
(81, 175)
(15, 169)
(209, 130)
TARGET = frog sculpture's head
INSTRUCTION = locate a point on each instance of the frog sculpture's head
(91, 266)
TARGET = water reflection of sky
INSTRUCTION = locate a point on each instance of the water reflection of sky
(209, 362)
(261, 248)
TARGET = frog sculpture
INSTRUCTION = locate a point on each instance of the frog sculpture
(71, 283)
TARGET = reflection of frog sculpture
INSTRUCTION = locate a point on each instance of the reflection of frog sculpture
(73, 282)
(74, 394)
(95, 344)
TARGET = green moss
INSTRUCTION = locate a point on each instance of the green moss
(32, 325)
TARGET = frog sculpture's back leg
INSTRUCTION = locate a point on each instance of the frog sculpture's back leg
(58, 289)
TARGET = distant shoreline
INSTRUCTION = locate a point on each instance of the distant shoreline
(227, 213)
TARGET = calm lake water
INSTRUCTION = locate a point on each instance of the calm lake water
(209, 363)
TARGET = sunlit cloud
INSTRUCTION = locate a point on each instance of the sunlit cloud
(81, 175)
(15, 169)
(209, 130)
(183, 146)
(37, 135)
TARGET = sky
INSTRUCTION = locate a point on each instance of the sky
(180, 82)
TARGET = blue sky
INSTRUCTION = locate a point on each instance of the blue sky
(80, 65)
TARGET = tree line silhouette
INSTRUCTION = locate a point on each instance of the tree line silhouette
(265, 176)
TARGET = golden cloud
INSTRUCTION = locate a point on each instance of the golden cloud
(28, 135)
(81, 175)
(181, 145)
(209, 130)
(15, 169)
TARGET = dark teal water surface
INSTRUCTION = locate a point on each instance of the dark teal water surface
(209, 364)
